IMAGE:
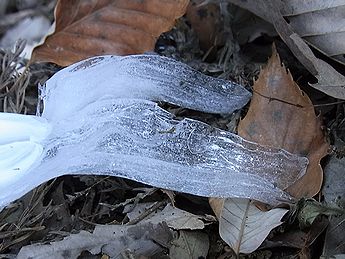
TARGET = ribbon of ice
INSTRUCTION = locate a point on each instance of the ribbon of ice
(100, 118)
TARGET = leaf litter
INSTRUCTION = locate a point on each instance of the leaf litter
(114, 241)
(333, 191)
(330, 81)
(112, 192)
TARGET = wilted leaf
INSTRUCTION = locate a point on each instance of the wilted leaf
(248, 27)
(191, 245)
(320, 23)
(216, 205)
(178, 219)
(335, 238)
(244, 227)
(281, 115)
(297, 238)
(170, 194)
(333, 189)
(86, 28)
(205, 21)
(174, 217)
(334, 192)
(109, 239)
(312, 209)
(330, 81)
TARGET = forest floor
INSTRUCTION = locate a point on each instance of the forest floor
(69, 204)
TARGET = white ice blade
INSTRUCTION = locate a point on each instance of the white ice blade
(149, 77)
(137, 140)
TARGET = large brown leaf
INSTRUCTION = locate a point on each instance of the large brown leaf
(205, 20)
(86, 28)
(282, 116)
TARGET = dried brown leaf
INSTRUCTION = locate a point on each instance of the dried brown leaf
(216, 205)
(86, 28)
(298, 238)
(282, 116)
(205, 20)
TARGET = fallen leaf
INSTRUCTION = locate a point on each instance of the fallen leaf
(311, 209)
(174, 217)
(334, 193)
(216, 205)
(330, 81)
(193, 245)
(297, 238)
(86, 28)
(333, 188)
(248, 27)
(244, 227)
(335, 239)
(281, 115)
(112, 240)
(170, 194)
(320, 23)
(205, 20)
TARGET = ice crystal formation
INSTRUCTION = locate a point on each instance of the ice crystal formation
(100, 117)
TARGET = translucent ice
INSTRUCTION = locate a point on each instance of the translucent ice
(149, 77)
(99, 119)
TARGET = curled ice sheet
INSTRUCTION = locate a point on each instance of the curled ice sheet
(118, 133)
(149, 77)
